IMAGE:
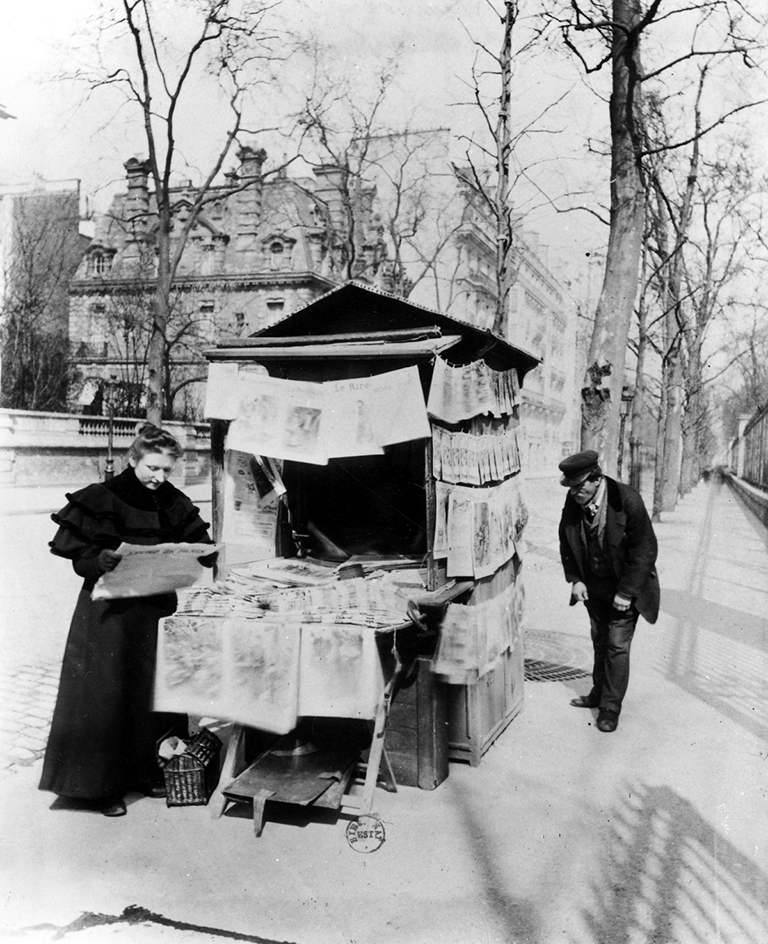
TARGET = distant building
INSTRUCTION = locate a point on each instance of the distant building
(460, 277)
(41, 245)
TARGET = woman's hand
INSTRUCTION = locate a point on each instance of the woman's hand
(108, 560)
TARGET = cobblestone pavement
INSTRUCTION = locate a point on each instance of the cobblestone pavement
(27, 697)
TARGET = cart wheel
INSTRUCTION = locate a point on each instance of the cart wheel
(366, 833)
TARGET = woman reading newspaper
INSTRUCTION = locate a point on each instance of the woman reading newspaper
(103, 735)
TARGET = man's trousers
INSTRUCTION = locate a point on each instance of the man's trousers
(612, 632)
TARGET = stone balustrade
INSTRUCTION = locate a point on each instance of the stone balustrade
(70, 448)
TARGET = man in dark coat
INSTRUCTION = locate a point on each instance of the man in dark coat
(608, 549)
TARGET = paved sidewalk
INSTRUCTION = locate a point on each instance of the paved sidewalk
(655, 834)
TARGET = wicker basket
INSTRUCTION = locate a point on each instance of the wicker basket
(191, 777)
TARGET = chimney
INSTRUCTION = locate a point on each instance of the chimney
(249, 201)
(329, 186)
(137, 202)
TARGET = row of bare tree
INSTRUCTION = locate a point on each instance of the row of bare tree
(683, 216)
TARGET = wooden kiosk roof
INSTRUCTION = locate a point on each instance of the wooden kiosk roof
(355, 321)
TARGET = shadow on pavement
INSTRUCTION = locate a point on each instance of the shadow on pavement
(670, 876)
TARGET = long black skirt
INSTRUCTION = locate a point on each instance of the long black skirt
(104, 732)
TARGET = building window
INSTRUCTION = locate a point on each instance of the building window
(276, 255)
(275, 304)
(100, 263)
(207, 259)
(207, 308)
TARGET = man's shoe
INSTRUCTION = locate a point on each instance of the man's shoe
(586, 701)
(113, 806)
(607, 720)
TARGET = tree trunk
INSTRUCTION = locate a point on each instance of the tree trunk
(672, 422)
(503, 147)
(638, 404)
(658, 471)
(693, 425)
(601, 393)
(160, 312)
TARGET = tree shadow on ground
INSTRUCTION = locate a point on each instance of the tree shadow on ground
(715, 656)
(515, 916)
(669, 876)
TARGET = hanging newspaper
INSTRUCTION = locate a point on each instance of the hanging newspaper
(459, 393)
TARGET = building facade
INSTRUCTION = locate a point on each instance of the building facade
(260, 248)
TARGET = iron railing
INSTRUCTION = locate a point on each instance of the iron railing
(755, 445)
(748, 452)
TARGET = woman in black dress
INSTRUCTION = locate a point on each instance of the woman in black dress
(104, 732)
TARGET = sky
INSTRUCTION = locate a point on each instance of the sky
(60, 133)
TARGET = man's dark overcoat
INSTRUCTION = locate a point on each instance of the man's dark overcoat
(630, 546)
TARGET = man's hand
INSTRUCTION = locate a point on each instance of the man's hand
(621, 603)
(108, 560)
(578, 592)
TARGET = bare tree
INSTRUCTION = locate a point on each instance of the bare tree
(699, 214)
(128, 329)
(46, 250)
(489, 158)
(339, 121)
(746, 377)
(228, 43)
(614, 36)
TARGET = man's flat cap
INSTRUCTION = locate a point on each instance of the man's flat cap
(577, 467)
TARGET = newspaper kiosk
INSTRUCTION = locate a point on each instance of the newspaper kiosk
(364, 453)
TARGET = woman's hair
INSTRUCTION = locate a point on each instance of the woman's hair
(153, 439)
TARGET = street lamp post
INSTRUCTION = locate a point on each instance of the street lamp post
(109, 466)
(627, 395)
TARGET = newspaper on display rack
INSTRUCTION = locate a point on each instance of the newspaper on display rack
(459, 393)
(312, 422)
(263, 653)
(473, 637)
(478, 529)
(487, 453)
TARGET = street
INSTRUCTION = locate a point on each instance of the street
(654, 834)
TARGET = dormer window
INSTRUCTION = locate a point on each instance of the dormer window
(100, 263)
(276, 254)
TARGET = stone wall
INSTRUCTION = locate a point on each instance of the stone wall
(70, 449)
(755, 499)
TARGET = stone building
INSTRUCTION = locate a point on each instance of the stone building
(261, 247)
